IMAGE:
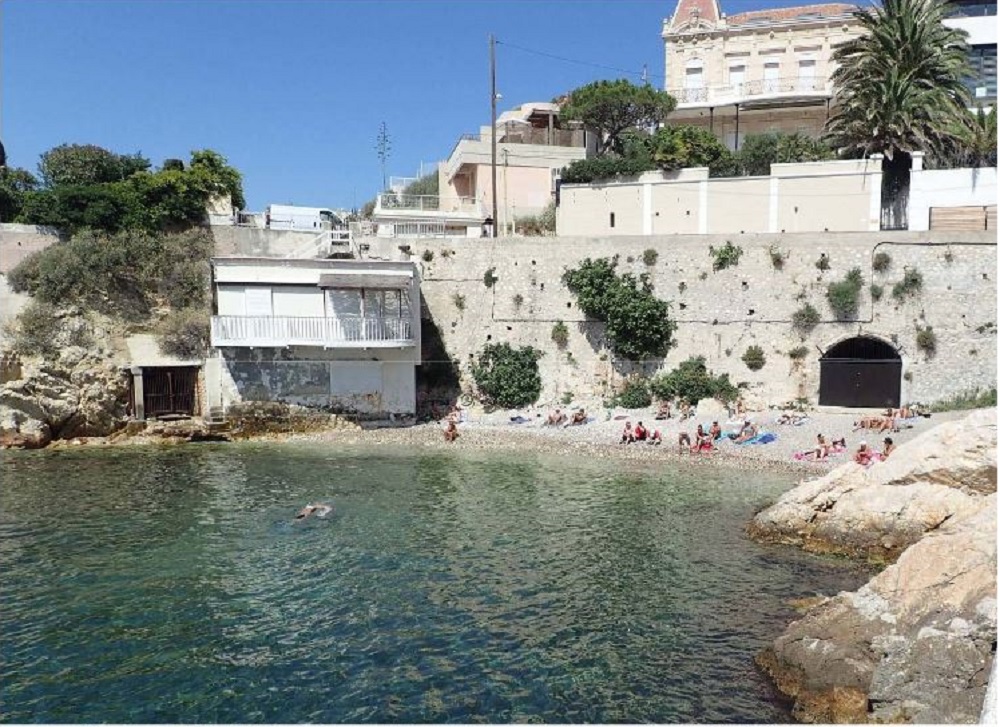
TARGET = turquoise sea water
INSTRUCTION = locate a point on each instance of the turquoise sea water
(171, 585)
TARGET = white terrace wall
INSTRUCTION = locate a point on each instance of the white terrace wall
(720, 314)
(833, 196)
(949, 188)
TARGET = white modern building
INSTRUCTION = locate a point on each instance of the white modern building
(979, 20)
(343, 335)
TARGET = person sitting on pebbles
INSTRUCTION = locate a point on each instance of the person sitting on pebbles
(684, 442)
(863, 456)
(555, 418)
(628, 436)
(450, 431)
(579, 417)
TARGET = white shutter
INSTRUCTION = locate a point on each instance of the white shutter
(257, 301)
(343, 303)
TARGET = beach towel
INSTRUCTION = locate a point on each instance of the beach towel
(764, 438)
(519, 420)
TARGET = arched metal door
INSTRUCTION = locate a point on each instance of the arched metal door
(860, 372)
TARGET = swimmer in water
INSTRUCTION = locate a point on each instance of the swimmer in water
(319, 510)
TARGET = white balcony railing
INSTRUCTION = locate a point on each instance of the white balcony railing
(390, 202)
(758, 90)
(347, 331)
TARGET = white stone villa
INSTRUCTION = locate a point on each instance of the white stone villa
(338, 334)
(769, 70)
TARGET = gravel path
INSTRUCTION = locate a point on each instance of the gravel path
(600, 436)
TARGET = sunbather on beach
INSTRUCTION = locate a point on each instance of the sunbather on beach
(863, 456)
(887, 447)
(451, 431)
(655, 437)
(702, 441)
(640, 433)
(715, 431)
(628, 436)
(555, 418)
(579, 417)
(749, 431)
(664, 411)
(684, 442)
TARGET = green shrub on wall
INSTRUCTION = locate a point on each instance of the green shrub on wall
(560, 334)
(881, 262)
(691, 381)
(634, 395)
(754, 358)
(843, 295)
(805, 319)
(637, 322)
(507, 377)
(727, 256)
(798, 353)
(650, 256)
(909, 286)
(927, 340)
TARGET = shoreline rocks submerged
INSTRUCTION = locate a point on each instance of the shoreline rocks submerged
(916, 643)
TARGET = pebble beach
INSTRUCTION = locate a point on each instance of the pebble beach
(600, 436)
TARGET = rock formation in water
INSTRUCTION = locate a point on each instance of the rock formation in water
(81, 392)
(879, 511)
(917, 642)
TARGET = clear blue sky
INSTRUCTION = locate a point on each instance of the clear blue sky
(293, 92)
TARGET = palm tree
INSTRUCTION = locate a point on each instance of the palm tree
(899, 89)
(979, 139)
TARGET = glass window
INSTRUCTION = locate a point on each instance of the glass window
(982, 84)
(969, 9)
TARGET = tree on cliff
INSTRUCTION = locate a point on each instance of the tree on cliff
(610, 108)
(899, 89)
(87, 164)
(14, 184)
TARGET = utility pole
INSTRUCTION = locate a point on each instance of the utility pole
(383, 147)
(493, 126)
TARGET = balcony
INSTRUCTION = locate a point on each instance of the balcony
(342, 332)
(389, 206)
(759, 92)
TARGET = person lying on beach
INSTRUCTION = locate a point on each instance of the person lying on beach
(791, 417)
(319, 510)
(863, 456)
(628, 436)
(880, 423)
(555, 418)
(579, 417)
(663, 412)
(450, 431)
(887, 447)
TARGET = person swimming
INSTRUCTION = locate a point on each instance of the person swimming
(320, 510)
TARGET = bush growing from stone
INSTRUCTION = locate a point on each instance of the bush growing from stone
(909, 286)
(691, 381)
(876, 292)
(727, 256)
(881, 262)
(634, 395)
(507, 377)
(649, 257)
(185, 333)
(637, 322)
(560, 334)
(805, 319)
(754, 358)
(927, 340)
(843, 295)
(798, 353)
(33, 333)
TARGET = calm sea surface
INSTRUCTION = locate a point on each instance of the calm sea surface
(171, 585)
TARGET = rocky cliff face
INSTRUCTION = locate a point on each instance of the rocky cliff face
(82, 392)
(917, 642)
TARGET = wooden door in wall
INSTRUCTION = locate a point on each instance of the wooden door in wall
(860, 372)
(169, 390)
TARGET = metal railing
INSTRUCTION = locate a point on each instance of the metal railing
(326, 243)
(267, 331)
(750, 90)
(426, 203)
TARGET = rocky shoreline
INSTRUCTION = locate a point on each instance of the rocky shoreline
(917, 642)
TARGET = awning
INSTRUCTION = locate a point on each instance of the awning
(385, 281)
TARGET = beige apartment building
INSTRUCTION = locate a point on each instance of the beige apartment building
(754, 72)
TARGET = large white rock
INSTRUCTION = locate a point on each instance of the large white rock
(881, 510)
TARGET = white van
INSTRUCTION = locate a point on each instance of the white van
(289, 217)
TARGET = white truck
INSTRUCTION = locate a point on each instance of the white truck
(308, 219)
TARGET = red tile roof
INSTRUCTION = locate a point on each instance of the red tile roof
(779, 14)
(708, 10)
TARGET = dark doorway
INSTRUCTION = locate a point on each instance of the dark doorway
(169, 390)
(860, 372)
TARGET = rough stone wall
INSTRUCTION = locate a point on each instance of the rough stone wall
(720, 314)
(16, 243)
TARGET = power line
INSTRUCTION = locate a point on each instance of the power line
(642, 74)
